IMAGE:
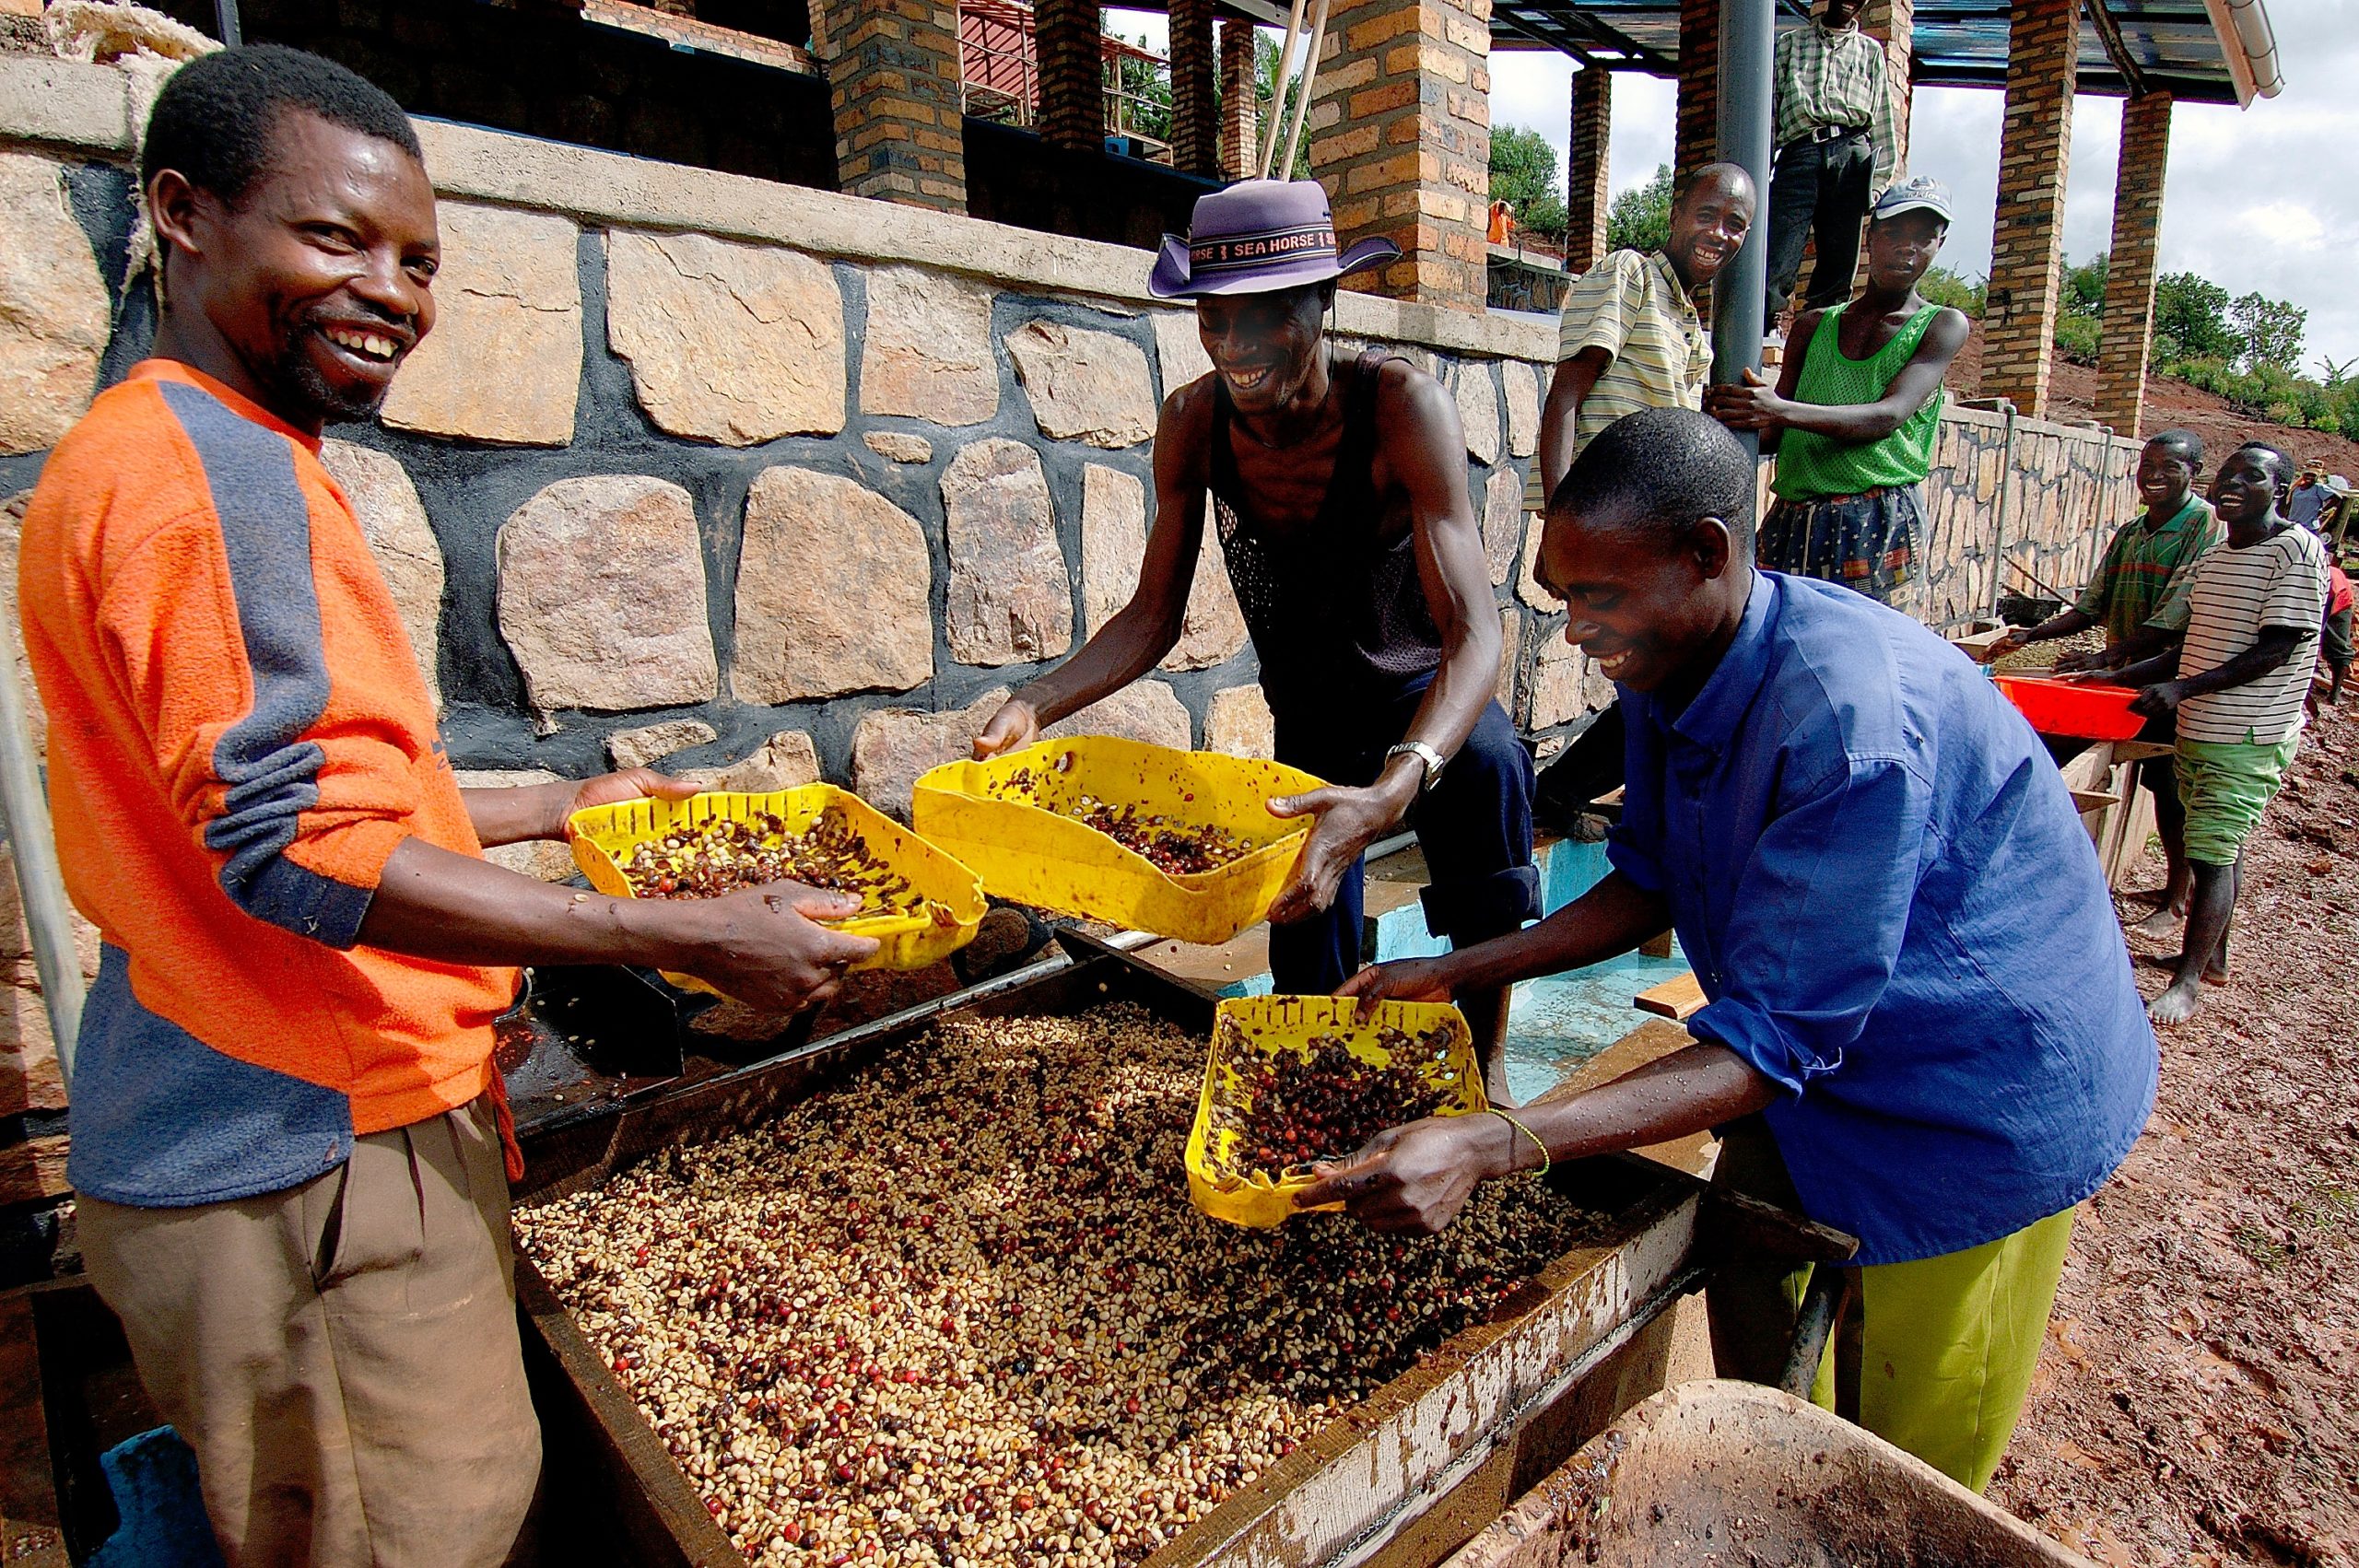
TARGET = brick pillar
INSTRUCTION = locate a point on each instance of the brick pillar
(1587, 193)
(893, 79)
(1240, 108)
(1195, 131)
(2027, 244)
(1894, 21)
(1699, 86)
(1401, 136)
(1073, 73)
(2130, 265)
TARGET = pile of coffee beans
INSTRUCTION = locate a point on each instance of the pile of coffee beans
(724, 855)
(958, 1312)
(1291, 1111)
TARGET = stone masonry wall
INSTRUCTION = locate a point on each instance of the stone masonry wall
(666, 487)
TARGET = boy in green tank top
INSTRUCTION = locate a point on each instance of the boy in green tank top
(1856, 410)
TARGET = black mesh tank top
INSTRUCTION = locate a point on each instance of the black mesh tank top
(1336, 614)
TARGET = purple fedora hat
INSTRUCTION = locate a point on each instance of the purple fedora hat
(1256, 236)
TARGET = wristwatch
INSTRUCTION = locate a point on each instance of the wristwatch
(1425, 754)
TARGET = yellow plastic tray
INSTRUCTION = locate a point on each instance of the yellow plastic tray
(603, 835)
(997, 817)
(1268, 1025)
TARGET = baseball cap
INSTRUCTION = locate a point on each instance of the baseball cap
(1922, 191)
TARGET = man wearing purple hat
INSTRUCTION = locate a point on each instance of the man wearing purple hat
(1338, 487)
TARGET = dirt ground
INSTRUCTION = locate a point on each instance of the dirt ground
(2199, 1399)
(2072, 395)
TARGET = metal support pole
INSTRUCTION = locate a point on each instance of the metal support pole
(2006, 493)
(226, 23)
(41, 887)
(1748, 42)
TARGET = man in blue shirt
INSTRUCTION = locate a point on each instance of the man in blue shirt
(1841, 818)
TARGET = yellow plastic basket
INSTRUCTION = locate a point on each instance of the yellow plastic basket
(999, 817)
(603, 836)
(1269, 1024)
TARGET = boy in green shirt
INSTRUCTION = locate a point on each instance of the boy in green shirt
(1856, 410)
(2139, 596)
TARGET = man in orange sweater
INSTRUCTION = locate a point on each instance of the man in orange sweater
(288, 1133)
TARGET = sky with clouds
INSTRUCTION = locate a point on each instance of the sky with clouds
(2261, 198)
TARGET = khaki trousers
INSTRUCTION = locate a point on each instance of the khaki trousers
(342, 1355)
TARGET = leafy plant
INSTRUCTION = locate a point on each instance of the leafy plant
(2190, 320)
(1943, 287)
(2270, 331)
(1639, 218)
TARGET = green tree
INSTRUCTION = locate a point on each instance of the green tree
(1523, 175)
(1639, 218)
(2270, 331)
(2191, 322)
(1146, 109)
(2080, 310)
(1941, 286)
(2084, 288)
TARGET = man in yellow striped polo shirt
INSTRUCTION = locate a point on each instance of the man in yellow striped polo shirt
(1631, 337)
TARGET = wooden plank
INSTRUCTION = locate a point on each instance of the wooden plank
(1676, 1000)
(33, 1172)
(2139, 751)
(2087, 800)
(1658, 946)
(1977, 645)
(31, 1529)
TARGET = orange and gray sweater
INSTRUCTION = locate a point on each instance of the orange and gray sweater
(238, 738)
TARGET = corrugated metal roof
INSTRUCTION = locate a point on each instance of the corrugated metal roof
(2170, 44)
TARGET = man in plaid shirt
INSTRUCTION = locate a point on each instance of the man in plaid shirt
(1837, 147)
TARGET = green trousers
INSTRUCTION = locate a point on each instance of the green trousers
(1933, 1356)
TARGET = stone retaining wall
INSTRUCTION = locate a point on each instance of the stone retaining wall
(765, 482)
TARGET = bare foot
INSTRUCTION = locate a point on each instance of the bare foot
(2215, 973)
(2176, 1005)
(2162, 924)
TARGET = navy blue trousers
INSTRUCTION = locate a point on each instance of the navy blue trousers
(1475, 828)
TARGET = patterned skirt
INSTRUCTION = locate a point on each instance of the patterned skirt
(1870, 543)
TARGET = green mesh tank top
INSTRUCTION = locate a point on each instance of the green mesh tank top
(1811, 466)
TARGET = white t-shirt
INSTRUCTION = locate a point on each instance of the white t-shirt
(2235, 594)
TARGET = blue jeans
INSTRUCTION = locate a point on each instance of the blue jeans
(1475, 828)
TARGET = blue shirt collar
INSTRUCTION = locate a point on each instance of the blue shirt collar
(1711, 717)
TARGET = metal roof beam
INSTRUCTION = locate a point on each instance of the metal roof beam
(2109, 35)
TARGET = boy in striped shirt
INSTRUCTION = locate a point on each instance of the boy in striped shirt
(2254, 609)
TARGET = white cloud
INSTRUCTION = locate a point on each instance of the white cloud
(2259, 199)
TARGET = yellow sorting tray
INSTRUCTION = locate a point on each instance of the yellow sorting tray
(999, 817)
(1268, 1025)
(603, 836)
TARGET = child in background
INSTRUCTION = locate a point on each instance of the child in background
(2334, 640)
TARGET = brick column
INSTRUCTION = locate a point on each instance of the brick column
(1894, 21)
(1699, 87)
(893, 79)
(2027, 244)
(1240, 109)
(1195, 133)
(1587, 193)
(2130, 265)
(1401, 136)
(1073, 73)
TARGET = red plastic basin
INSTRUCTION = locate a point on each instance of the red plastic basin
(2093, 712)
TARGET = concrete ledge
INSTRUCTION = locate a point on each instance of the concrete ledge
(59, 103)
(86, 109)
